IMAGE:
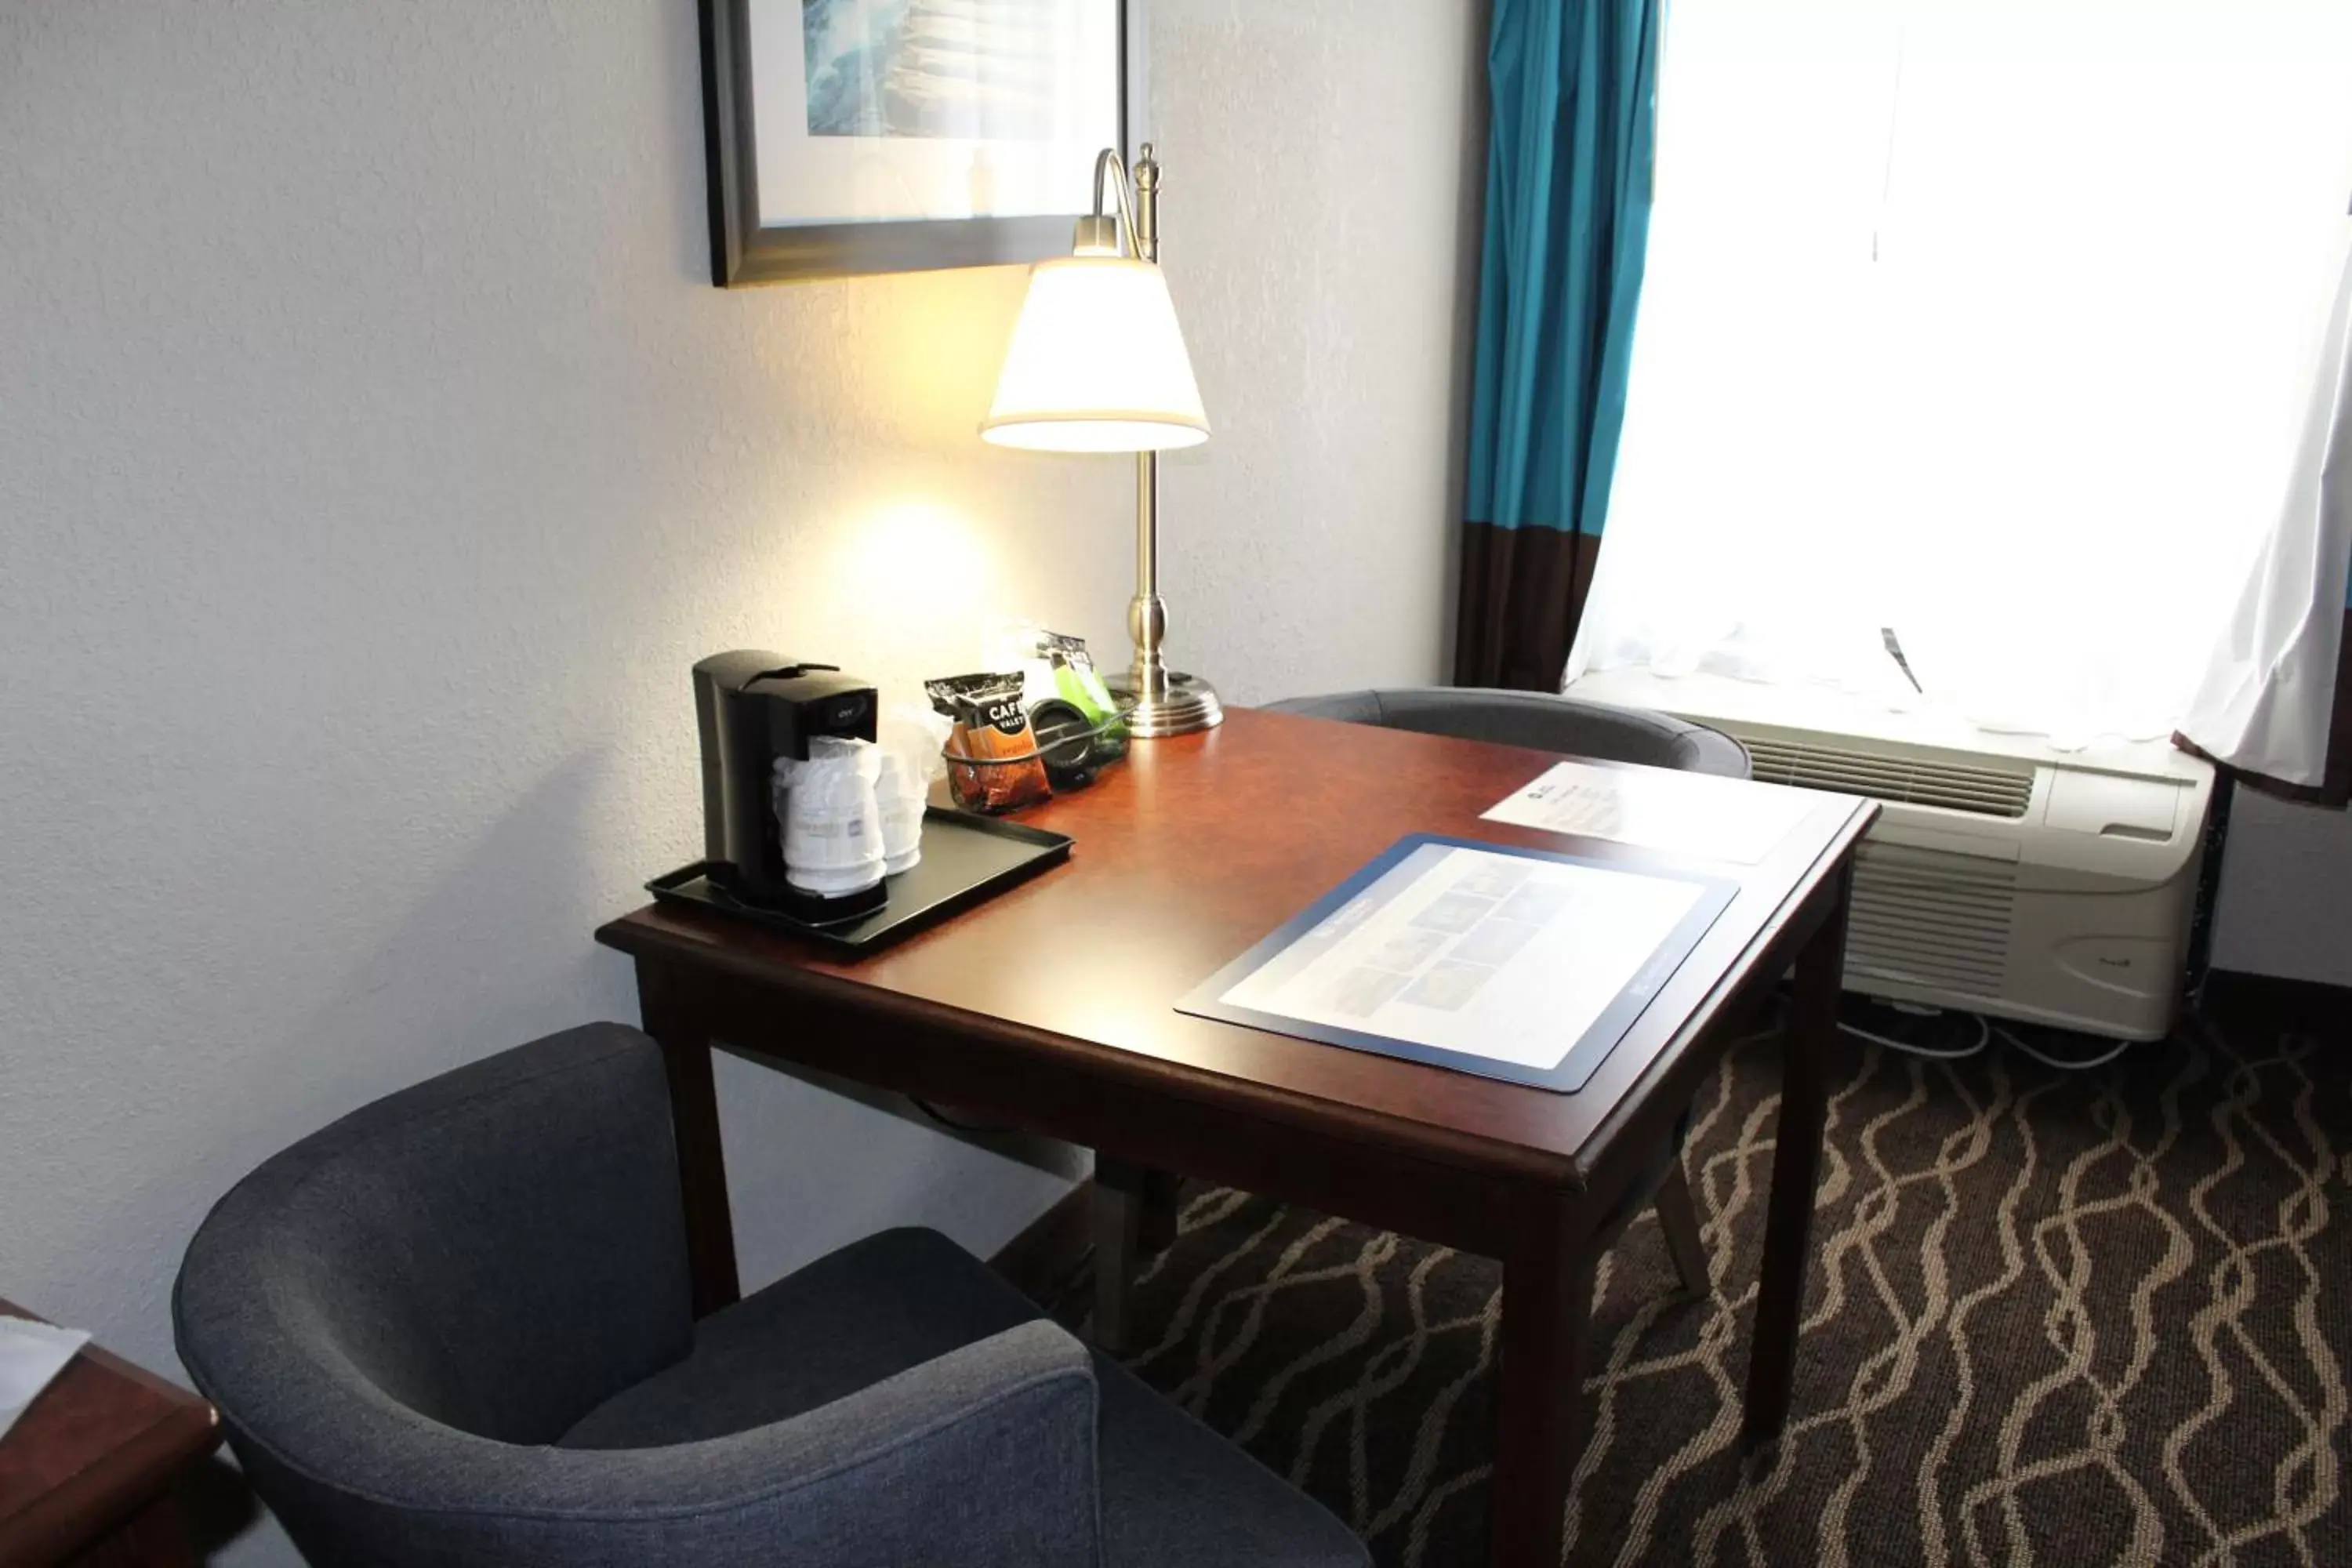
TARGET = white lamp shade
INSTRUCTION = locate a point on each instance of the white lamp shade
(1096, 364)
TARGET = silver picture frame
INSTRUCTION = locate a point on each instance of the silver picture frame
(746, 251)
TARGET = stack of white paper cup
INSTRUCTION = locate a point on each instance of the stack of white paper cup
(833, 820)
(911, 739)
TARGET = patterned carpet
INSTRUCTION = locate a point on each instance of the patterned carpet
(2054, 1318)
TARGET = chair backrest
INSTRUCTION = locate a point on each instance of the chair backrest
(1543, 721)
(496, 1250)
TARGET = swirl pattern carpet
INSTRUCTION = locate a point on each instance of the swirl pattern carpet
(2053, 1317)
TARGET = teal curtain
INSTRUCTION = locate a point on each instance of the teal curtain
(1568, 164)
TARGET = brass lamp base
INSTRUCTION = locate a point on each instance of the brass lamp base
(1185, 708)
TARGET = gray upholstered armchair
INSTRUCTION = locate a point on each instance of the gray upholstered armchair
(1545, 720)
(452, 1329)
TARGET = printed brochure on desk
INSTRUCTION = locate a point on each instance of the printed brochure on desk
(1508, 963)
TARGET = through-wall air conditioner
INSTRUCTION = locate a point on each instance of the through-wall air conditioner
(2001, 877)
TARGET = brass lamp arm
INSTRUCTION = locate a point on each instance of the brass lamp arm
(1111, 174)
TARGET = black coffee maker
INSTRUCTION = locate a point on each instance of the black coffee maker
(755, 707)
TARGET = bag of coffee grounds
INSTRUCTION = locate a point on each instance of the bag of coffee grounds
(992, 762)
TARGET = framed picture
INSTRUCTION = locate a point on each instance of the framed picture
(851, 136)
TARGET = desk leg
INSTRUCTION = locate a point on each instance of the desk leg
(1160, 1210)
(1795, 1171)
(685, 1040)
(152, 1537)
(1120, 1189)
(1542, 1415)
(1678, 1219)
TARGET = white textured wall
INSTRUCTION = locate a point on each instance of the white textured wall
(374, 459)
(1325, 163)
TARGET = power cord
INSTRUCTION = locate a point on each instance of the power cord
(1986, 1030)
(2049, 1061)
(1913, 1048)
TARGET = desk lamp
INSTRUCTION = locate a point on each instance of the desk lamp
(1097, 364)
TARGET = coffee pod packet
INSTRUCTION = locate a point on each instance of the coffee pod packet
(992, 762)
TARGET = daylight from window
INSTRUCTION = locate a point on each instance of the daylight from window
(1989, 323)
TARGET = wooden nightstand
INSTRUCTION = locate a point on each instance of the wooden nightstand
(86, 1475)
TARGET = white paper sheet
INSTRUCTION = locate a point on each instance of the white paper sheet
(31, 1354)
(1494, 956)
(1689, 814)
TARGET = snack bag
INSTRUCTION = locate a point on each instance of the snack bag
(1076, 681)
(992, 762)
(1021, 645)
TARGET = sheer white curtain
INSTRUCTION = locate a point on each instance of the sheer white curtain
(1989, 322)
(2267, 701)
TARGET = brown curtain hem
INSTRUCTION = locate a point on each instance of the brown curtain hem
(1523, 591)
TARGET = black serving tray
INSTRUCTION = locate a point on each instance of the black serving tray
(967, 859)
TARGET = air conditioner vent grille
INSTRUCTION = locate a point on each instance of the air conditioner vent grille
(1985, 789)
(1923, 918)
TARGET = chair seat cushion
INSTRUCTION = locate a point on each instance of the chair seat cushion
(1174, 1493)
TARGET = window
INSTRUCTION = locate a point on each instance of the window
(1991, 322)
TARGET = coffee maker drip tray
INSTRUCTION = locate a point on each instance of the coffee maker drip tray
(967, 859)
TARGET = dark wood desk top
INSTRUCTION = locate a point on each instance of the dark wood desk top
(1195, 848)
(100, 1443)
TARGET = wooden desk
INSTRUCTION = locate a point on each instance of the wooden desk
(86, 1473)
(1051, 1008)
